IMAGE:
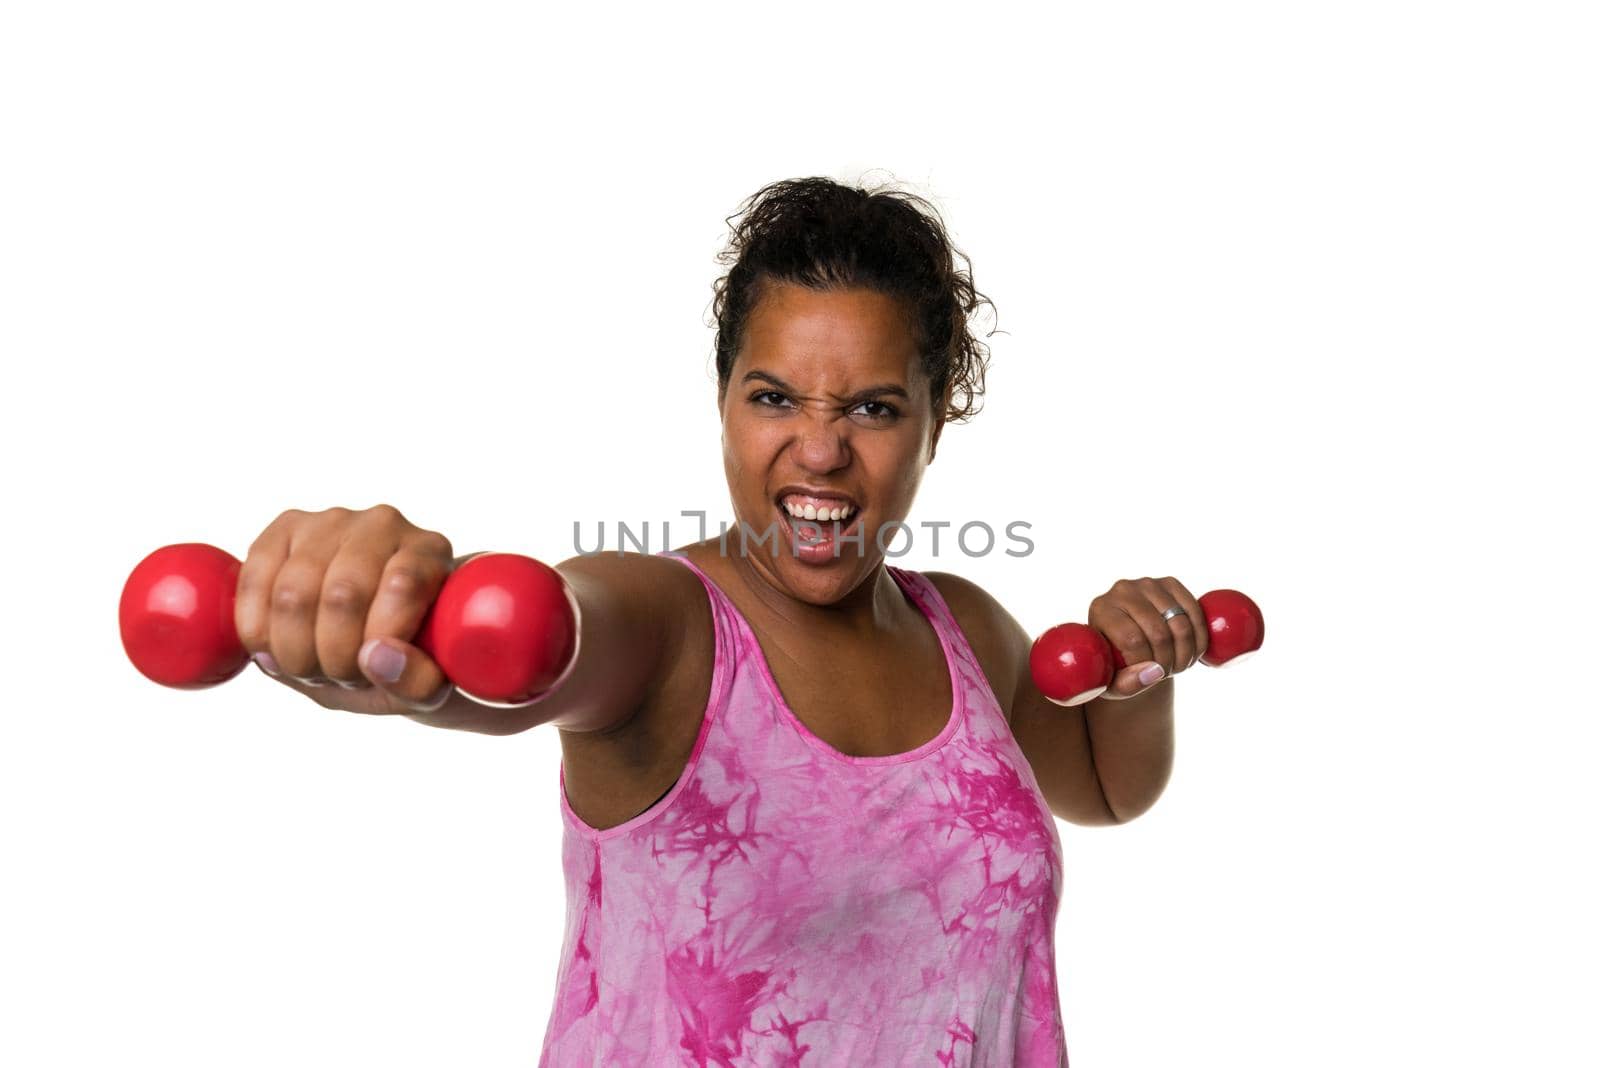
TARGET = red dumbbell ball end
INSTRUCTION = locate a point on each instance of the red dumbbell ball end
(1236, 627)
(1071, 663)
(504, 629)
(176, 617)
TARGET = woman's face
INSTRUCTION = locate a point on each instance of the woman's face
(826, 406)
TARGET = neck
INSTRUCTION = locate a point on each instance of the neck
(874, 603)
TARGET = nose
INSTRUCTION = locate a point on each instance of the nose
(821, 443)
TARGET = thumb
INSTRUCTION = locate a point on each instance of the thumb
(410, 677)
(1133, 680)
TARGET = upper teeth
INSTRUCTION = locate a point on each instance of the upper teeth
(810, 510)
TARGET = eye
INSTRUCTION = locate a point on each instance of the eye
(760, 399)
(877, 411)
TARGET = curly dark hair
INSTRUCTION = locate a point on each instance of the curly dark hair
(821, 234)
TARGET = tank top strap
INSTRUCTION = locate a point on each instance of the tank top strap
(732, 639)
(921, 589)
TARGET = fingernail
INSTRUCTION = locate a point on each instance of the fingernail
(316, 682)
(383, 663)
(1151, 674)
(266, 663)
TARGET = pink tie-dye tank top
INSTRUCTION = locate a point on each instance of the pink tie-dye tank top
(787, 904)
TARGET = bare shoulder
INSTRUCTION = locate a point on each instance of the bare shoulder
(997, 639)
(645, 591)
(639, 576)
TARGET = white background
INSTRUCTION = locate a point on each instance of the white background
(1296, 298)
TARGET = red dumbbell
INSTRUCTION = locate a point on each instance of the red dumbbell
(1073, 663)
(504, 628)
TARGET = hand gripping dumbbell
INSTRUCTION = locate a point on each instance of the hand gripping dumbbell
(1073, 663)
(503, 628)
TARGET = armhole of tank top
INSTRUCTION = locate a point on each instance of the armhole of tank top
(716, 701)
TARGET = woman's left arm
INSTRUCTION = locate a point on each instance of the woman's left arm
(1157, 628)
(1132, 745)
(1099, 763)
(1105, 761)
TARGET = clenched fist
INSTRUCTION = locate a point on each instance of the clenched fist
(328, 603)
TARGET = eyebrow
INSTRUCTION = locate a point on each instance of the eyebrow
(883, 389)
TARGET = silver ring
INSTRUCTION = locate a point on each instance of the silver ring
(1175, 610)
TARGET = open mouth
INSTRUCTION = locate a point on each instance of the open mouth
(813, 526)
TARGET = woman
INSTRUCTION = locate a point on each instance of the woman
(807, 795)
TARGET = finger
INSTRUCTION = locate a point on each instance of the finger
(1179, 627)
(1193, 637)
(407, 588)
(1145, 607)
(349, 587)
(410, 583)
(1177, 631)
(1127, 637)
(1134, 679)
(296, 594)
(410, 677)
(252, 599)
